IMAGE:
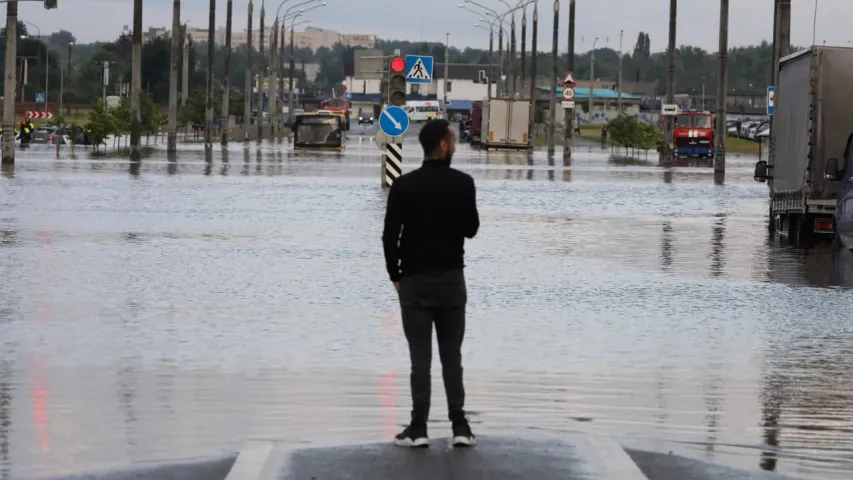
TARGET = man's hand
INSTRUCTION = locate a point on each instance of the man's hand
(397, 286)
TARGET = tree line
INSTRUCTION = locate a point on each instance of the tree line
(749, 66)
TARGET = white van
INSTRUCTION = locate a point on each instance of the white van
(422, 111)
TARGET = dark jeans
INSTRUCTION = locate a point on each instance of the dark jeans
(435, 298)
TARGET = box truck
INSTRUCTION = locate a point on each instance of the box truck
(811, 142)
(504, 123)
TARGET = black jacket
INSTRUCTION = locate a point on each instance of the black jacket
(435, 206)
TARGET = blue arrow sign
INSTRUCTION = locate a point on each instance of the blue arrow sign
(771, 100)
(394, 121)
(39, 97)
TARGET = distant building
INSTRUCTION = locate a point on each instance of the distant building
(312, 38)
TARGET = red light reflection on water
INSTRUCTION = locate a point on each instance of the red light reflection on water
(388, 379)
(40, 402)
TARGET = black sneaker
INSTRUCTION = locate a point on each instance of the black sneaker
(462, 435)
(412, 436)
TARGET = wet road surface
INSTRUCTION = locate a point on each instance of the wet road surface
(177, 309)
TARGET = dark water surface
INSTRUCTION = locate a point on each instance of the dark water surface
(178, 309)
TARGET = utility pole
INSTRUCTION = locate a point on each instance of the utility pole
(279, 64)
(667, 152)
(185, 80)
(211, 41)
(511, 63)
(446, 62)
(9, 84)
(261, 72)
(247, 89)
(272, 85)
(591, 78)
(619, 76)
(720, 130)
(523, 75)
(531, 122)
(781, 48)
(569, 113)
(500, 81)
(291, 66)
(226, 83)
(136, 83)
(172, 138)
(554, 80)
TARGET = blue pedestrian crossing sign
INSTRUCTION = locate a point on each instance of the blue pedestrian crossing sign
(418, 69)
(771, 100)
(39, 97)
(394, 121)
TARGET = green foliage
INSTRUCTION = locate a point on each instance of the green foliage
(149, 113)
(102, 123)
(193, 113)
(630, 133)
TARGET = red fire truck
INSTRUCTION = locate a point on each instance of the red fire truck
(694, 134)
(340, 106)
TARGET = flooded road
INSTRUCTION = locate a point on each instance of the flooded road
(176, 309)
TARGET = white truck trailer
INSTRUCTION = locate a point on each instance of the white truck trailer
(505, 123)
(811, 132)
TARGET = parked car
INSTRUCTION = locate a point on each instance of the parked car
(47, 135)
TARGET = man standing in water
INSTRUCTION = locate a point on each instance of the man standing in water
(435, 207)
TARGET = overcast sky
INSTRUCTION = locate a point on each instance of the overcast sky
(750, 20)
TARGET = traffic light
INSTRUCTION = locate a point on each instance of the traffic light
(50, 4)
(397, 82)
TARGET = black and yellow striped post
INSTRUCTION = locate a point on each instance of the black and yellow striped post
(392, 163)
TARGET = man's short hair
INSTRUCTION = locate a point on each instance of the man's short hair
(432, 133)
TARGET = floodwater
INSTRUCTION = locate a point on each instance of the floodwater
(177, 309)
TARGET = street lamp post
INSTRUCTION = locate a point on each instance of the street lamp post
(292, 65)
(62, 76)
(284, 19)
(591, 78)
(46, 63)
(491, 31)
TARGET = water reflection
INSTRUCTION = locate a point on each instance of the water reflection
(171, 163)
(771, 405)
(8, 170)
(208, 161)
(718, 235)
(247, 160)
(5, 412)
(684, 323)
(134, 167)
(225, 166)
(666, 245)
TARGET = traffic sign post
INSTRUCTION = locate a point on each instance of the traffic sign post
(669, 110)
(394, 121)
(419, 69)
(39, 115)
(771, 100)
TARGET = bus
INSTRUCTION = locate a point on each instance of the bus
(339, 105)
(321, 130)
(423, 110)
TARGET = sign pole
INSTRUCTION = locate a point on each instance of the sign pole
(568, 105)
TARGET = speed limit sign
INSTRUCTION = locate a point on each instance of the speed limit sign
(568, 93)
